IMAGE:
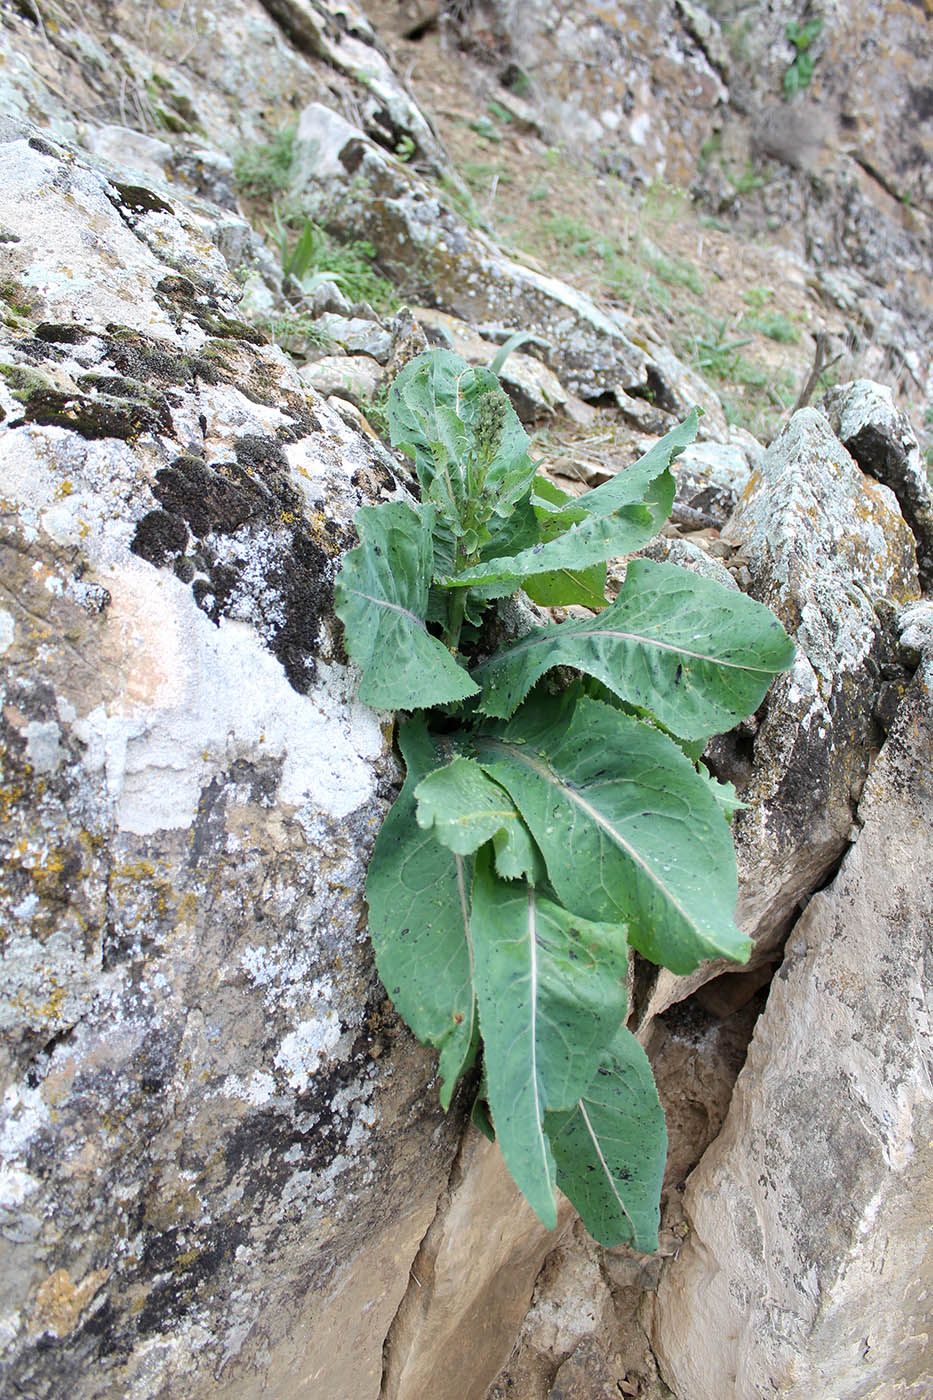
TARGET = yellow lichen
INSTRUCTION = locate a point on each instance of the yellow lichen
(59, 1302)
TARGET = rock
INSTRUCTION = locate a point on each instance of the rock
(145, 157)
(710, 477)
(825, 547)
(695, 1057)
(327, 297)
(581, 1337)
(340, 34)
(596, 76)
(643, 414)
(353, 376)
(915, 628)
(202, 1082)
(471, 1283)
(677, 389)
(357, 335)
(422, 243)
(585, 1375)
(884, 444)
(806, 1270)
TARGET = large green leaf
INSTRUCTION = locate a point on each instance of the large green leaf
(619, 517)
(628, 829)
(381, 597)
(697, 655)
(551, 994)
(611, 1147)
(418, 893)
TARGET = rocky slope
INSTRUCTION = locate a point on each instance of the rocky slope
(222, 1164)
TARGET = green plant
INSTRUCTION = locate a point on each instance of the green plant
(776, 326)
(487, 129)
(314, 257)
(262, 170)
(544, 827)
(716, 354)
(570, 233)
(746, 180)
(757, 297)
(797, 75)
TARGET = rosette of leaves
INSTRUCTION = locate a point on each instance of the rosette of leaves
(544, 829)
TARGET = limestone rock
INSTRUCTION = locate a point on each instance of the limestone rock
(220, 1149)
(337, 32)
(427, 247)
(353, 376)
(710, 478)
(585, 1375)
(884, 444)
(357, 335)
(806, 1271)
(596, 73)
(471, 1283)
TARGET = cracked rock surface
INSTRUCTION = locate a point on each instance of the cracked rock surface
(218, 1143)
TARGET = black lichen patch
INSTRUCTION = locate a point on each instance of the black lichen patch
(252, 555)
(188, 1263)
(100, 416)
(141, 200)
(212, 499)
(45, 148)
(160, 536)
(123, 387)
(145, 358)
(179, 298)
(56, 334)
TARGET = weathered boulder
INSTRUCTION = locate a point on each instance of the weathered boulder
(471, 1283)
(883, 442)
(219, 1148)
(806, 1271)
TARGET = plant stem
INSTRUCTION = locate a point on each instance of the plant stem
(455, 614)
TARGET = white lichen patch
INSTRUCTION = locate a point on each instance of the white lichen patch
(43, 745)
(257, 1091)
(24, 1114)
(110, 268)
(77, 492)
(302, 1050)
(229, 414)
(196, 697)
(7, 630)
